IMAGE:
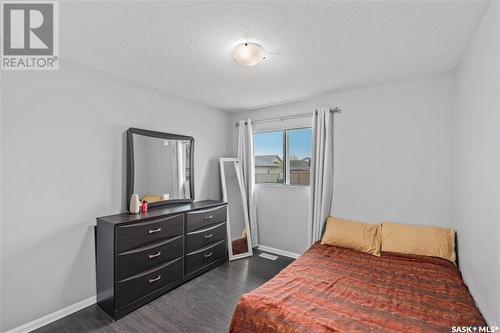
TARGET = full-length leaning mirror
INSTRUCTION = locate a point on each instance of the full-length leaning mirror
(159, 166)
(233, 192)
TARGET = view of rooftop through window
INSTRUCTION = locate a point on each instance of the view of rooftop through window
(268, 151)
(283, 157)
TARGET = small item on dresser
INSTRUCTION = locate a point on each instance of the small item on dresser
(144, 207)
(165, 196)
(135, 204)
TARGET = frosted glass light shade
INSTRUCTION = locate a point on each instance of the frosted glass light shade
(248, 54)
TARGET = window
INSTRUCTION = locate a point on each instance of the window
(283, 157)
(299, 156)
(268, 152)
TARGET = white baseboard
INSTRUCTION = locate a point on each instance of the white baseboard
(51, 317)
(278, 251)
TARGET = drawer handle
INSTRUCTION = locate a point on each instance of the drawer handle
(151, 256)
(209, 217)
(206, 255)
(208, 236)
(155, 230)
(155, 279)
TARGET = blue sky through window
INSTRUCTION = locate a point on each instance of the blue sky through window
(299, 143)
(271, 143)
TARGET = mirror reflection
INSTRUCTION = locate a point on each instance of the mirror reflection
(237, 212)
(161, 168)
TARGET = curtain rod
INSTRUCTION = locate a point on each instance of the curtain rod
(294, 116)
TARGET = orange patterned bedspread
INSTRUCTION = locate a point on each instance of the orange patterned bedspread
(331, 289)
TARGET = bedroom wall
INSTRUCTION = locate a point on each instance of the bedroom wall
(393, 159)
(62, 142)
(477, 164)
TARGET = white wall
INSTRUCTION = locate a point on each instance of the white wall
(477, 160)
(393, 160)
(282, 216)
(63, 164)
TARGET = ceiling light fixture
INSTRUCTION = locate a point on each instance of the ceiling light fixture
(248, 54)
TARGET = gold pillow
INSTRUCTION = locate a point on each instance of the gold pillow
(151, 198)
(358, 236)
(421, 240)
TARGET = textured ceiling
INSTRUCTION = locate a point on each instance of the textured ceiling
(185, 47)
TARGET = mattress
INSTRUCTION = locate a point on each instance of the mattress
(332, 289)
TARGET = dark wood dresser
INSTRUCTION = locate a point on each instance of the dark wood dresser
(142, 256)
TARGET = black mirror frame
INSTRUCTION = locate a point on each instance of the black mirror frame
(130, 163)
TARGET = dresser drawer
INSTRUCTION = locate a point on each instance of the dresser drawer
(135, 235)
(204, 256)
(144, 258)
(197, 239)
(140, 285)
(202, 218)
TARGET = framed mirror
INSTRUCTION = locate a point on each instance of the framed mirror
(233, 192)
(160, 167)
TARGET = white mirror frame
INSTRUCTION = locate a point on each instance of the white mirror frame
(237, 166)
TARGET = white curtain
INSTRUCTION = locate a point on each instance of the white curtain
(245, 155)
(321, 196)
(180, 169)
(175, 169)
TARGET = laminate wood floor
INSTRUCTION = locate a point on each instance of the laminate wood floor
(204, 304)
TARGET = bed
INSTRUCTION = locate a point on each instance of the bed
(333, 289)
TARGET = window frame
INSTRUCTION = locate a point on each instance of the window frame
(286, 171)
